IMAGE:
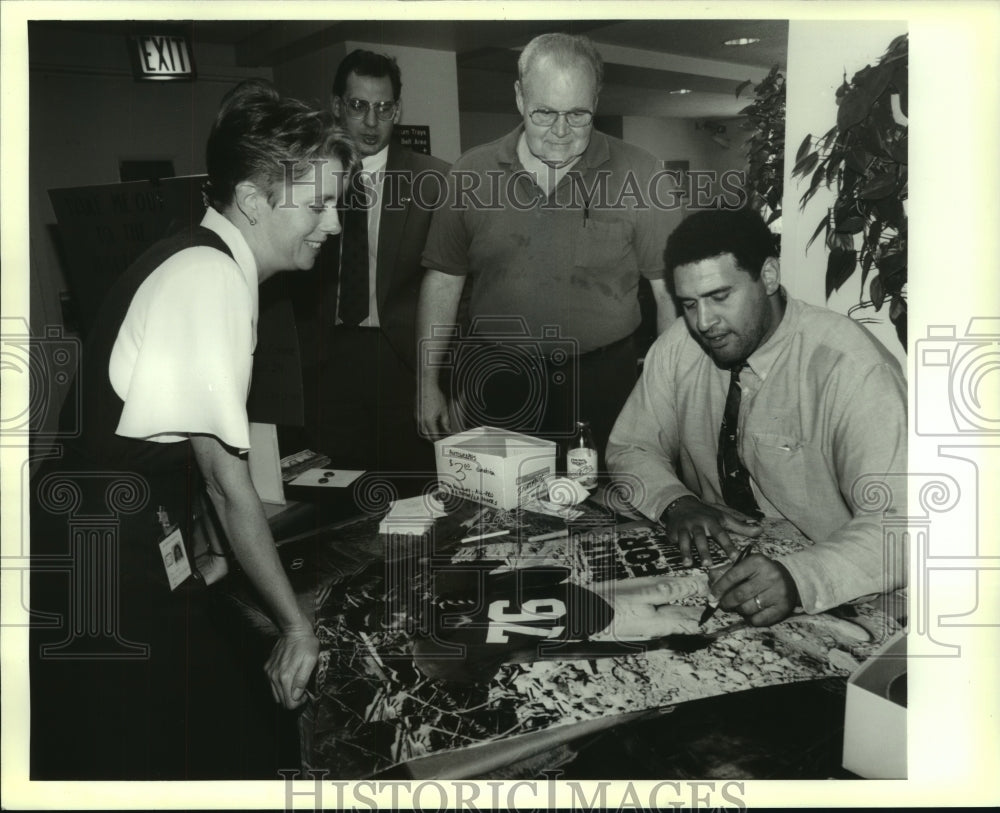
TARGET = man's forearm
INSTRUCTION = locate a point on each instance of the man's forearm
(437, 306)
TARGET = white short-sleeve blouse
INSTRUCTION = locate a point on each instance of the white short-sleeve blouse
(183, 356)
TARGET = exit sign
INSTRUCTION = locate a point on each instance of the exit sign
(164, 57)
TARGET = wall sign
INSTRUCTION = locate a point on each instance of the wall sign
(166, 56)
(415, 136)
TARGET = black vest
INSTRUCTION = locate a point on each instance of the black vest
(97, 443)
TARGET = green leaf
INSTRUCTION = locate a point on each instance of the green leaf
(817, 177)
(877, 292)
(854, 107)
(824, 223)
(901, 82)
(889, 265)
(897, 315)
(806, 165)
(851, 225)
(891, 211)
(900, 325)
(838, 241)
(803, 148)
(898, 309)
(866, 265)
(839, 267)
(899, 150)
(875, 80)
(898, 43)
(874, 233)
(833, 165)
(878, 187)
(857, 159)
(829, 134)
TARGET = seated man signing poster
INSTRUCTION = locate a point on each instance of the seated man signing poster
(757, 405)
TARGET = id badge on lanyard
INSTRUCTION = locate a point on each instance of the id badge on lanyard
(172, 551)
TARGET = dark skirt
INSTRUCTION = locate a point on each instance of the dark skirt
(129, 679)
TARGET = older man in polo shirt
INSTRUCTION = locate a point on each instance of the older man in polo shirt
(553, 225)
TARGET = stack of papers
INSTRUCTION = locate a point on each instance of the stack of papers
(295, 464)
(414, 515)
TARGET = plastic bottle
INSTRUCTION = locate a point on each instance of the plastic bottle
(581, 456)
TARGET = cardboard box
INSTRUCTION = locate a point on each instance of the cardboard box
(495, 467)
(875, 717)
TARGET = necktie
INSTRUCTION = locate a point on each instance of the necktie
(354, 260)
(733, 478)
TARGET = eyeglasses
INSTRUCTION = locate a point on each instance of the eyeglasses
(574, 118)
(358, 108)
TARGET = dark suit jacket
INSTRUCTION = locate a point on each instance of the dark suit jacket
(399, 273)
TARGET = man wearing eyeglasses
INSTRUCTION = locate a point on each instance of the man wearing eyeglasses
(556, 232)
(357, 310)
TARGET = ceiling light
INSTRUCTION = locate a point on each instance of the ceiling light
(680, 91)
(742, 41)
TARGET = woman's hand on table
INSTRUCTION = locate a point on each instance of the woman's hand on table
(759, 588)
(291, 664)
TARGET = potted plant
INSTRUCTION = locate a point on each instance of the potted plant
(765, 119)
(864, 157)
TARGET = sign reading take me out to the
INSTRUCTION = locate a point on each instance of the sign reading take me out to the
(162, 56)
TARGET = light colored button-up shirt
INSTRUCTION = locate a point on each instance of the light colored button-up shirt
(823, 411)
(184, 354)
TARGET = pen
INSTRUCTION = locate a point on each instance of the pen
(547, 537)
(713, 603)
(474, 519)
(485, 536)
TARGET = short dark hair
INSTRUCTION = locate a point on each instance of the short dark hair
(368, 63)
(714, 232)
(257, 132)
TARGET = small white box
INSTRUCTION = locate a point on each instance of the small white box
(495, 467)
(875, 717)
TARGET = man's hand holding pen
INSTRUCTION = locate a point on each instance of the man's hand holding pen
(758, 588)
(755, 586)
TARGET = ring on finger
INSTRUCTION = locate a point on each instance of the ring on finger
(756, 600)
